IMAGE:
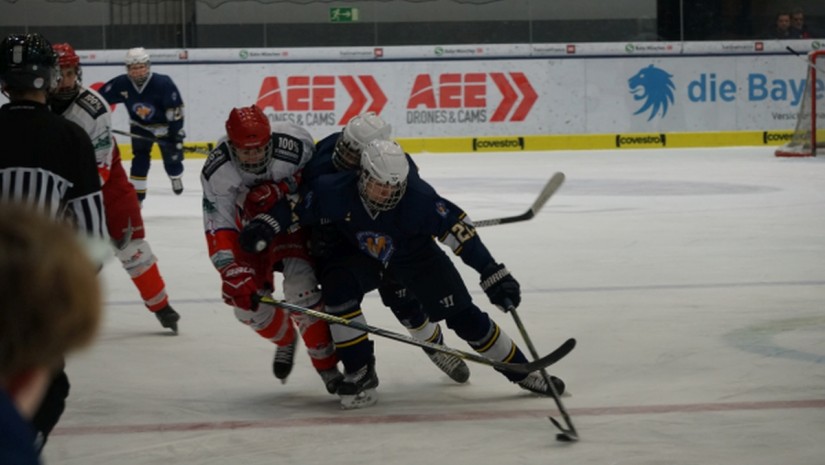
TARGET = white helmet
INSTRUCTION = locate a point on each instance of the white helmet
(383, 178)
(137, 55)
(358, 132)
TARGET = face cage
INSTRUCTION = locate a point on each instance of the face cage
(257, 167)
(142, 80)
(382, 205)
(68, 94)
(345, 156)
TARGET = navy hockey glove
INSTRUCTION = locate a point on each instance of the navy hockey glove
(259, 232)
(256, 236)
(500, 286)
(177, 139)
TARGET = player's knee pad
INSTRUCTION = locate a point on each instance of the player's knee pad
(404, 305)
(470, 324)
(136, 257)
(300, 283)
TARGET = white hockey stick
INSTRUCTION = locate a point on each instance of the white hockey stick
(549, 189)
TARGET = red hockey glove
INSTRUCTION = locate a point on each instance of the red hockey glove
(239, 288)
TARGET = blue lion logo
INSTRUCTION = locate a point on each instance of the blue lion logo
(656, 89)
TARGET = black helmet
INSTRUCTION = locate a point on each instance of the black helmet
(27, 61)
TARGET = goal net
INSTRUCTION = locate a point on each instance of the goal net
(808, 138)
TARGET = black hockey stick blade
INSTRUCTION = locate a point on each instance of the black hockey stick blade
(186, 148)
(549, 189)
(522, 368)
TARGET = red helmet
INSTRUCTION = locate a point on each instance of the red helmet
(248, 127)
(66, 56)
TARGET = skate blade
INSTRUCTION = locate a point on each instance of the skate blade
(363, 399)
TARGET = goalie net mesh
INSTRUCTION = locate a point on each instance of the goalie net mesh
(808, 138)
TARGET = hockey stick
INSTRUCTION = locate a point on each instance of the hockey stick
(569, 434)
(203, 150)
(522, 368)
(549, 189)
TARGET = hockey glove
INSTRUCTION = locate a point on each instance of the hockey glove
(500, 286)
(239, 288)
(323, 239)
(261, 199)
(256, 236)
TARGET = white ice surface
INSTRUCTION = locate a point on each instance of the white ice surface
(694, 281)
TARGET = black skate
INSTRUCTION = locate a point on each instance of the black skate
(332, 379)
(534, 382)
(453, 366)
(284, 360)
(357, 390)
(177, 185)
(168, 318)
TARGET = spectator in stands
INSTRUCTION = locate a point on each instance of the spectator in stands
(783, 26)
(798, 29)
(50, 305)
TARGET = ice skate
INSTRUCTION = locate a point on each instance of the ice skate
(332, 379)
(453, 366)
(284, 360)
(357, 390)
(177, 185)
(168, 318)
(534, 382)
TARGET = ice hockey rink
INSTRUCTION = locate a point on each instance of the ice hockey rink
(693, 280)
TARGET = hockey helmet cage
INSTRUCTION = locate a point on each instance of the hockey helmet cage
(358, 132)
(383, 178)
(247, 129)
(138, 56)
(28, 62)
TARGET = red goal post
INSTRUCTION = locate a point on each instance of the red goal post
(808, 137)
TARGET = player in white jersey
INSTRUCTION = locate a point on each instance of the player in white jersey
(254, 166)
(125, 224)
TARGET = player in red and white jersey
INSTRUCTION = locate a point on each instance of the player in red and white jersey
(253, 167)
(90, 111)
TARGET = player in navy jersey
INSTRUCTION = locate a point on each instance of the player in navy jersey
(155, 109)
(341, 151)
(47, 163)
(389, 218)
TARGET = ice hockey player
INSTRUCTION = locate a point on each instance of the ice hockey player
(50, 162)
(155, 109)
(253, 167)
(390, 219)
(341, 151)
(123, 219)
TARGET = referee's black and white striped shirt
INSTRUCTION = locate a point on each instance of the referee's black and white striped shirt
(49, 163)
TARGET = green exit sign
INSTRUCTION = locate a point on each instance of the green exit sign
(343, 15)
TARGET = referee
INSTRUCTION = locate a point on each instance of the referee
(46, 162)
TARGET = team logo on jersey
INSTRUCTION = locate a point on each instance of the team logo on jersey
(441, 209)
(376, 245)
(654, 87)
(143, 110)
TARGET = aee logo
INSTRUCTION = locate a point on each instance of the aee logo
(317, 94)
(469, 90)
